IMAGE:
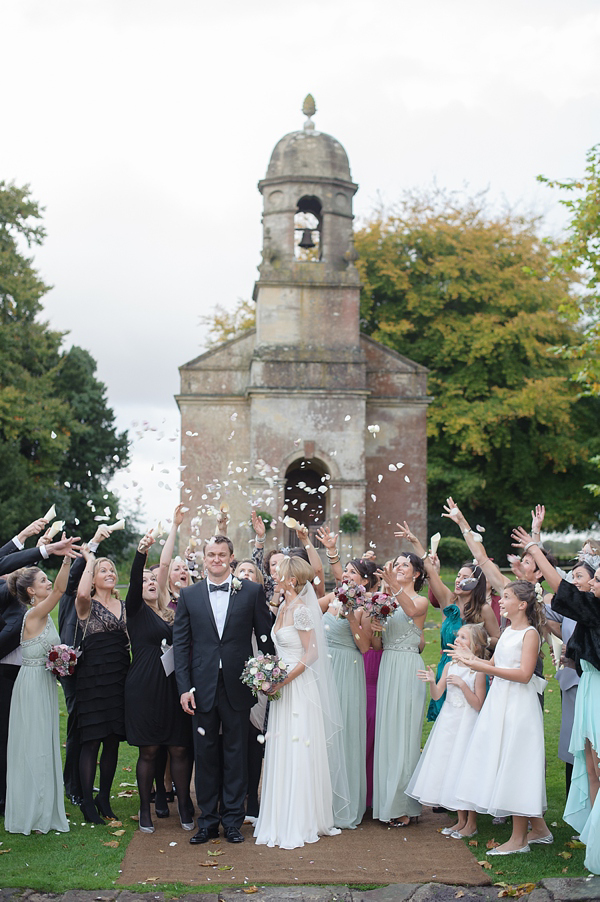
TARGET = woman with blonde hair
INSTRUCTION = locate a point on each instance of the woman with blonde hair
(101, 674)
(305, 787)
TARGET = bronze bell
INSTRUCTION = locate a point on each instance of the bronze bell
(306, 240)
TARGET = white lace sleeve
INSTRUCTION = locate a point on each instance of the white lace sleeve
(303, 619)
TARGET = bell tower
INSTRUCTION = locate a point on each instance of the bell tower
(307, 295)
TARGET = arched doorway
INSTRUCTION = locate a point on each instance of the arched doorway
(305, 497)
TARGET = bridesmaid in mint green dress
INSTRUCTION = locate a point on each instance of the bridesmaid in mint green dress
(400, 694)
(34, 783)
(348, 639)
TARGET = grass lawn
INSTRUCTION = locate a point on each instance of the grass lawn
(89, 857)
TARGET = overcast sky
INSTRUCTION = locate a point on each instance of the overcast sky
(143, 127)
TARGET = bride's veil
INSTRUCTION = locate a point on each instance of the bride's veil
(320, 668)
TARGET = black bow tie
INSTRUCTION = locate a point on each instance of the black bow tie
(222, 587)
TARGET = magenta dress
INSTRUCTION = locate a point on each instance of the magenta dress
(372, 659)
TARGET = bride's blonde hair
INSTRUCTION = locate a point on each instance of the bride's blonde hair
(296, 568)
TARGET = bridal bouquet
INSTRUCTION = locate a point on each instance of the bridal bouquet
(349, 596)
(263, 672)
(61, 660)
(381, 606)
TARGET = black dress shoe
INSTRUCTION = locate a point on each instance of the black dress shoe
(232, 834)
(203, 835)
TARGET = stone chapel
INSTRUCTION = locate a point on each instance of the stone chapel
(303, 416)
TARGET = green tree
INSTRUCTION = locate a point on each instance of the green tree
(580, 254)
(55, 425)
(473, 297)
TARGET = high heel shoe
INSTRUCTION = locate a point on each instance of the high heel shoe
(187, 819)
(143, 829)
(104, 808)
(90, 814)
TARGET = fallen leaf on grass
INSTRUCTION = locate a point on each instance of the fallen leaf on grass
(491, 844)
(112, 844)
(4, 851)
(208, 864)
(134, 817)
(217, 852)
(126, 794)
(226, 867)
(250, 889)
(127, 784)
(575, 844)
(485, 864)
(459, 894)
(117, 832)
(564, 870)
(565, 855)
(473, 842)
(115, 824)
(127, 768)
(216, 842)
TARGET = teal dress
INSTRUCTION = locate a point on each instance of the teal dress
(34, 783)
(451, 624)
(348, 671)
(399, 719)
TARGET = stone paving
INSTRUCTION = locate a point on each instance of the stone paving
(580, 889)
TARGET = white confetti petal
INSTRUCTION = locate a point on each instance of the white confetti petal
(347, 417)
(392, 467)
(406, 479)
(260, 738)
(53, 435)
(373, 497)
(202, 731)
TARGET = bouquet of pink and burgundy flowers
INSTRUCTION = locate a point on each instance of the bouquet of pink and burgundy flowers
(62, 659)
(349, 596)
(381, 606)
(263, 672)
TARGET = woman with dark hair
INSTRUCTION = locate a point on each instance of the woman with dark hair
(348, 637)
(101, 675)
(153, 716)
(34, 790)
(400, 694)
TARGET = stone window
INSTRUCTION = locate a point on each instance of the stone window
(307, 230)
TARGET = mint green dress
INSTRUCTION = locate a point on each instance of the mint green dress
(348, 671)
(34, 783)
(399, 719)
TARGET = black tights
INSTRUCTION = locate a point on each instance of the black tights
(181, 772)
(88, 760)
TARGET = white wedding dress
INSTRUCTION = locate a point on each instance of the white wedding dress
(297, 799)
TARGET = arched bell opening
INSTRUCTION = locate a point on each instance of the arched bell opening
(307, 230)
(305, 497)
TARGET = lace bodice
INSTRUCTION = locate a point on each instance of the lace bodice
(35, 651)
(101, 620)
(401, 634)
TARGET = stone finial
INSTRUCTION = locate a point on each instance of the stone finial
(309, 108)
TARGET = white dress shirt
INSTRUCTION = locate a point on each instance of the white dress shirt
(219, 602)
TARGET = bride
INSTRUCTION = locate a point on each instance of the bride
(305, 787)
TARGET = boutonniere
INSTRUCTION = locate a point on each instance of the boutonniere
(236, 585)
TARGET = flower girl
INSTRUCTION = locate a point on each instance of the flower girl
(503, 768)
(434, 779)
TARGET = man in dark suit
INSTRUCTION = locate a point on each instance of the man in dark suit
(212, 637)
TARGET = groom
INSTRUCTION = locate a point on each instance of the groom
(212, 636)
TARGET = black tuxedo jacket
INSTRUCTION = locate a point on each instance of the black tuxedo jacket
(10, 626)
(198, 649)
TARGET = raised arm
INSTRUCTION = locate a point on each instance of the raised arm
(83, 601)
(329, 541)
(492, 572)
(414, 608)
(521, 539)
(313, 559)
(441, 591)
(166, 555)
(134, 601)
(37, 616)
